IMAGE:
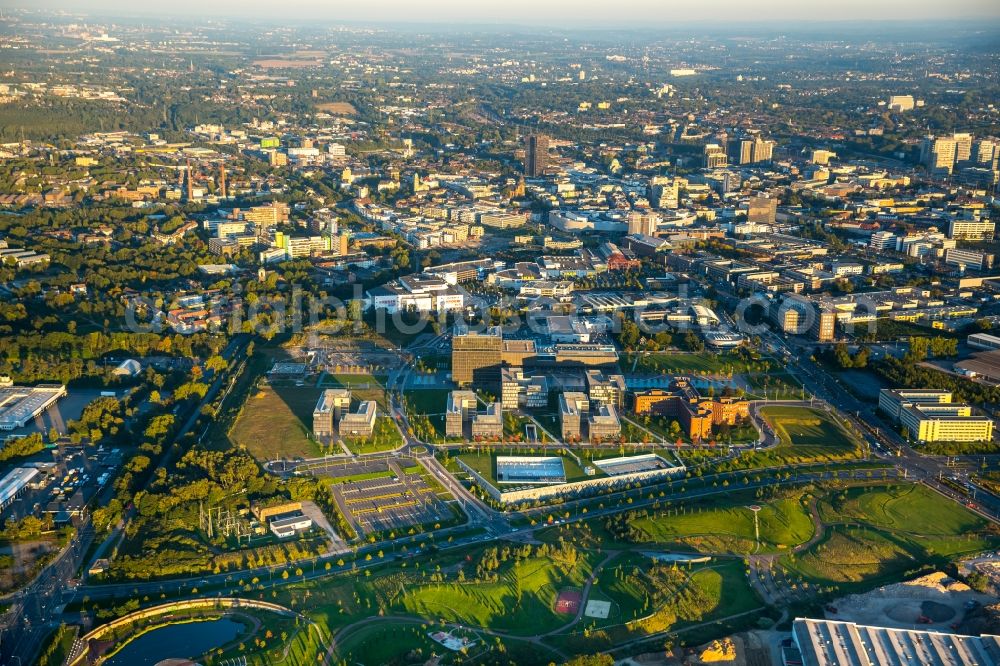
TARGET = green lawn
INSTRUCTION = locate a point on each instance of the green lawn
(702, 363)
(425, 410)
(783, 524)
(385, 438)
(804, 426)
(407, 643)
(57, 648)
(776, 385)
(520, 602)
(688, 595)
(388, 644)
(277, 422)
(879, 532)
(427, 401)
(807, 435)
(852, 556)
(909, 508)
(363, 387)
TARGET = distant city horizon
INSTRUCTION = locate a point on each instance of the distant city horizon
(589, 14)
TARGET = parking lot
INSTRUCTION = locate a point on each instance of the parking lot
(399, 500)
(356, 357)
(68, 484)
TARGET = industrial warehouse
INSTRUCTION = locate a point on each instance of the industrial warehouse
(20, 404)
(832, 643)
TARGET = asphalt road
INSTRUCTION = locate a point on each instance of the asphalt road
(37, 609)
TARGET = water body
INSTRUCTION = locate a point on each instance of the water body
(184, 641)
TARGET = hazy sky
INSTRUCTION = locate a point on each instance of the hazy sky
(553, 12)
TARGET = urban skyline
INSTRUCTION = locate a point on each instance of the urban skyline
(502, 334)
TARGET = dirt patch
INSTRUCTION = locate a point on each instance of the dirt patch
(934, 600)
(337, 108)
(282, 63)
(937, 612)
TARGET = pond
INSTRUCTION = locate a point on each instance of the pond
(189, 640)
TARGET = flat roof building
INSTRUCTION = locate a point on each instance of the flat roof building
(520, 390)
(290, 524)
(21, 404)
(461, 404)
(834, 643)
(606, 389)
(697, 415)
(477, 356)
(931, 416)
(573, 405)
(984, 341)
(488, 424)
(328, 411)
(14, 483)
(360, 423)
(603, 423)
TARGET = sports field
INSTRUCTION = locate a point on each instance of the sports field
(486, 465)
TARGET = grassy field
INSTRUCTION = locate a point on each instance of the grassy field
(878, 532)
(720, 529)
(425, 410)
(363, 387)
(427, 401)
(388, 644)
(776, 385)
(520, 602)
(57, 648)
(807, 435)
(690, 595)
(852, 556)
(804, 427)
(402, 643)
(276, 423)
(909, 508)
(385, 438)
(337, 108)
(703, 363)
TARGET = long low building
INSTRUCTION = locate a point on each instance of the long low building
(20, 404)
(833, 643)
(931, 416)
(985, 365)
(14, 483)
